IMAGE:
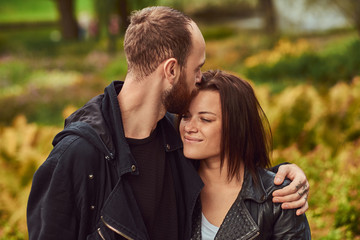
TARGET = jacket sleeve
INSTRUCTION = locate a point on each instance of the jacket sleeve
(53, 210)
(290, 226)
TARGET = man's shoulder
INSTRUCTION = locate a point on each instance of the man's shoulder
(72, 152)
(74, 144)
(78, 145)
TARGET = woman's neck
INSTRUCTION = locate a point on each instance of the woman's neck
(219, 193)
(212, 174)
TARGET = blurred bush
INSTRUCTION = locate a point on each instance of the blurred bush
(40, 100)
(334, 194)
(23, 147)
(318, 132)
(321, 133)
(301, 115)
(218, 32)
(12, 73)
(41, 89)
(297, 60)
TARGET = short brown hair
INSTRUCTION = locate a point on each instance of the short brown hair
(154, 35)
(243, 137)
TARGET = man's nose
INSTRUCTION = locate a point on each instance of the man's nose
(199, 78)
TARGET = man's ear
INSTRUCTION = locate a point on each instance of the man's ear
(171, 70)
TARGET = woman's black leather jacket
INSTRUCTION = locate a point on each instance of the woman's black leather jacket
(253, 215)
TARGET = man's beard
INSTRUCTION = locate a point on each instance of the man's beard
(177, 99)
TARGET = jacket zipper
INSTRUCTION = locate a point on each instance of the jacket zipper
(253, 237)
(99, 232)
(114, 229)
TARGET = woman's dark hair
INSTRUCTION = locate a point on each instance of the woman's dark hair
(243, 138)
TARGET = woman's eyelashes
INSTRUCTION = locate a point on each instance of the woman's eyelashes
(206, 120)
(188, 116)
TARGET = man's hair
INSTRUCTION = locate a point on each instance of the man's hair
(244, 137)
(154, 35)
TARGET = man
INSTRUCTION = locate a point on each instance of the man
(117, 170)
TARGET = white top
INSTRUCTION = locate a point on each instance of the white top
(208, 231)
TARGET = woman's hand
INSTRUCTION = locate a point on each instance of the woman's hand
(294, 195)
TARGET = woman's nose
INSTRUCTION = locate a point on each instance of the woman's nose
(190, 126)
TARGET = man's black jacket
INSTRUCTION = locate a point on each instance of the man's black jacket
(79, 192)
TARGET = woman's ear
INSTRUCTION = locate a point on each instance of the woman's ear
(171, 70)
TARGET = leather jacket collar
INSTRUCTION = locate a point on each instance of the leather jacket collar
(252, 191)
(238, 223)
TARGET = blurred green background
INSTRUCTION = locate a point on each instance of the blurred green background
(302, 56)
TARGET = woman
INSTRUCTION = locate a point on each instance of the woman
(224, 129)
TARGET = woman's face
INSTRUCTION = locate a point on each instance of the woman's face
(200, 127)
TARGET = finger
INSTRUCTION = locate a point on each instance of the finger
(288, 190)
(294, 186)
(303, 209)
(292, 196)
(287, 199)
(303, 190)
(295, 204)
(281, 174)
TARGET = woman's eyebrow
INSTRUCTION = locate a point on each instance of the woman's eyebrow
(205, 112)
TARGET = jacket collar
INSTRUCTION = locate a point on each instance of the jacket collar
(88, 122)
(111, 107)
(252, 190)
(107, 133)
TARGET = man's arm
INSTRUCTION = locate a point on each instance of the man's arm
(294, 195)
(50, 213)
(58, 206)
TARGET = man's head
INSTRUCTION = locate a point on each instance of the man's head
(154, 35)
(161, 36)
(177, 99)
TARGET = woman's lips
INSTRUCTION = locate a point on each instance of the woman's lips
(192, 139)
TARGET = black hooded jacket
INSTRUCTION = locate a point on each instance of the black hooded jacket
(79, 191)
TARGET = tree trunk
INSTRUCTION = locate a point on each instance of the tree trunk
(124, 15)
(68, 23)
(267, 7)
(357, 16)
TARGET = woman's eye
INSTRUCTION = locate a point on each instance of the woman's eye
(205, 120)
